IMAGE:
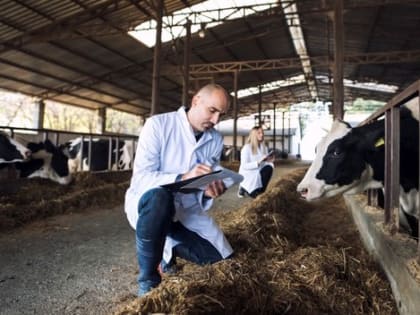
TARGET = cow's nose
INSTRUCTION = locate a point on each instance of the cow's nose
(28, 154)
(303, 192)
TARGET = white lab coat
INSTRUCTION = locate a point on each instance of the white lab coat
(249, 168)
(166, 148)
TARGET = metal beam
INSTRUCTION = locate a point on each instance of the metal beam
(44, 87)
(295, 63)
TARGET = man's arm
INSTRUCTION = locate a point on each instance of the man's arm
(147, 168)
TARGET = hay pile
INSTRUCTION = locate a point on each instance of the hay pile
(291, 257)
(39, 198)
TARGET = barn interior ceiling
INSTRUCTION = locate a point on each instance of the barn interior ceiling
(79, 52)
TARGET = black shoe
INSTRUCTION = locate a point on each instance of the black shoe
(169, 269)
(241, 192)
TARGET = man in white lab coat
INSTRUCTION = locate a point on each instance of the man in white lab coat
(176, 146)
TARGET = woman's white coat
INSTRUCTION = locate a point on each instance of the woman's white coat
(249, 167)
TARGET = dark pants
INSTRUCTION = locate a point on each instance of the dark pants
(266, 172)
(156, 210)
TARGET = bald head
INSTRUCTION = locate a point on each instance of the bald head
(207, 105)
(211, 88)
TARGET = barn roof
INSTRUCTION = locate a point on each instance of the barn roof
(78, 52)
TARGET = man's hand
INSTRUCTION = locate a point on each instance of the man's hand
(199, 169)
(215, 189)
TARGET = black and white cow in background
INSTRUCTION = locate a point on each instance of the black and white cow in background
(351, 160)
(11, 150)
(100, 154)
(47, 161)
(42, 159)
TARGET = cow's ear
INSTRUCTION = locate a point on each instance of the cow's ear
(65, 149)
(375, 139)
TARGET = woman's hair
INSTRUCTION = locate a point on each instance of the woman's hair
(253, 139)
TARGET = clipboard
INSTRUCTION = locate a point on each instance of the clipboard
(198, 183)
(270, 153)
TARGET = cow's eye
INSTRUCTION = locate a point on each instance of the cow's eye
(337, 152)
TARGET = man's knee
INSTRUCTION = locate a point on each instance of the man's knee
(158, 193)
(158, 201)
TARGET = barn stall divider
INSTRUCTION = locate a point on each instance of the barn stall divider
(397, 252)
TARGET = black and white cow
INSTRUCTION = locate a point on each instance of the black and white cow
(11, 150)
(47, 161)
(100, 154)
(351, 160)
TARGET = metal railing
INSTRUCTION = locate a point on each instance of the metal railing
(391, 112)
(59, 137)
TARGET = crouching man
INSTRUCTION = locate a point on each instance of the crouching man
(176, 146)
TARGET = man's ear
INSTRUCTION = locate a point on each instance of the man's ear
(194, 100)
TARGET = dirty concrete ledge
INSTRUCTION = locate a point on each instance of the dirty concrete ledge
(394, 254)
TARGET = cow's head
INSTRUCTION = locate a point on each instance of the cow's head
(340, 164)
(12, 151)
(71, 148)
(126, 155)
(48, 161)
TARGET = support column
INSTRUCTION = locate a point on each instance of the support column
(101, 125)
(289, 133)
(282, 130)
(259, 105)
(338, 104)
(41, 113)
(156, 60)
(418, 192)
(235, 114)
(274, 126)
(186, 72)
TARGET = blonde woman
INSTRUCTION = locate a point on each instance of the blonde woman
(256, 164)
